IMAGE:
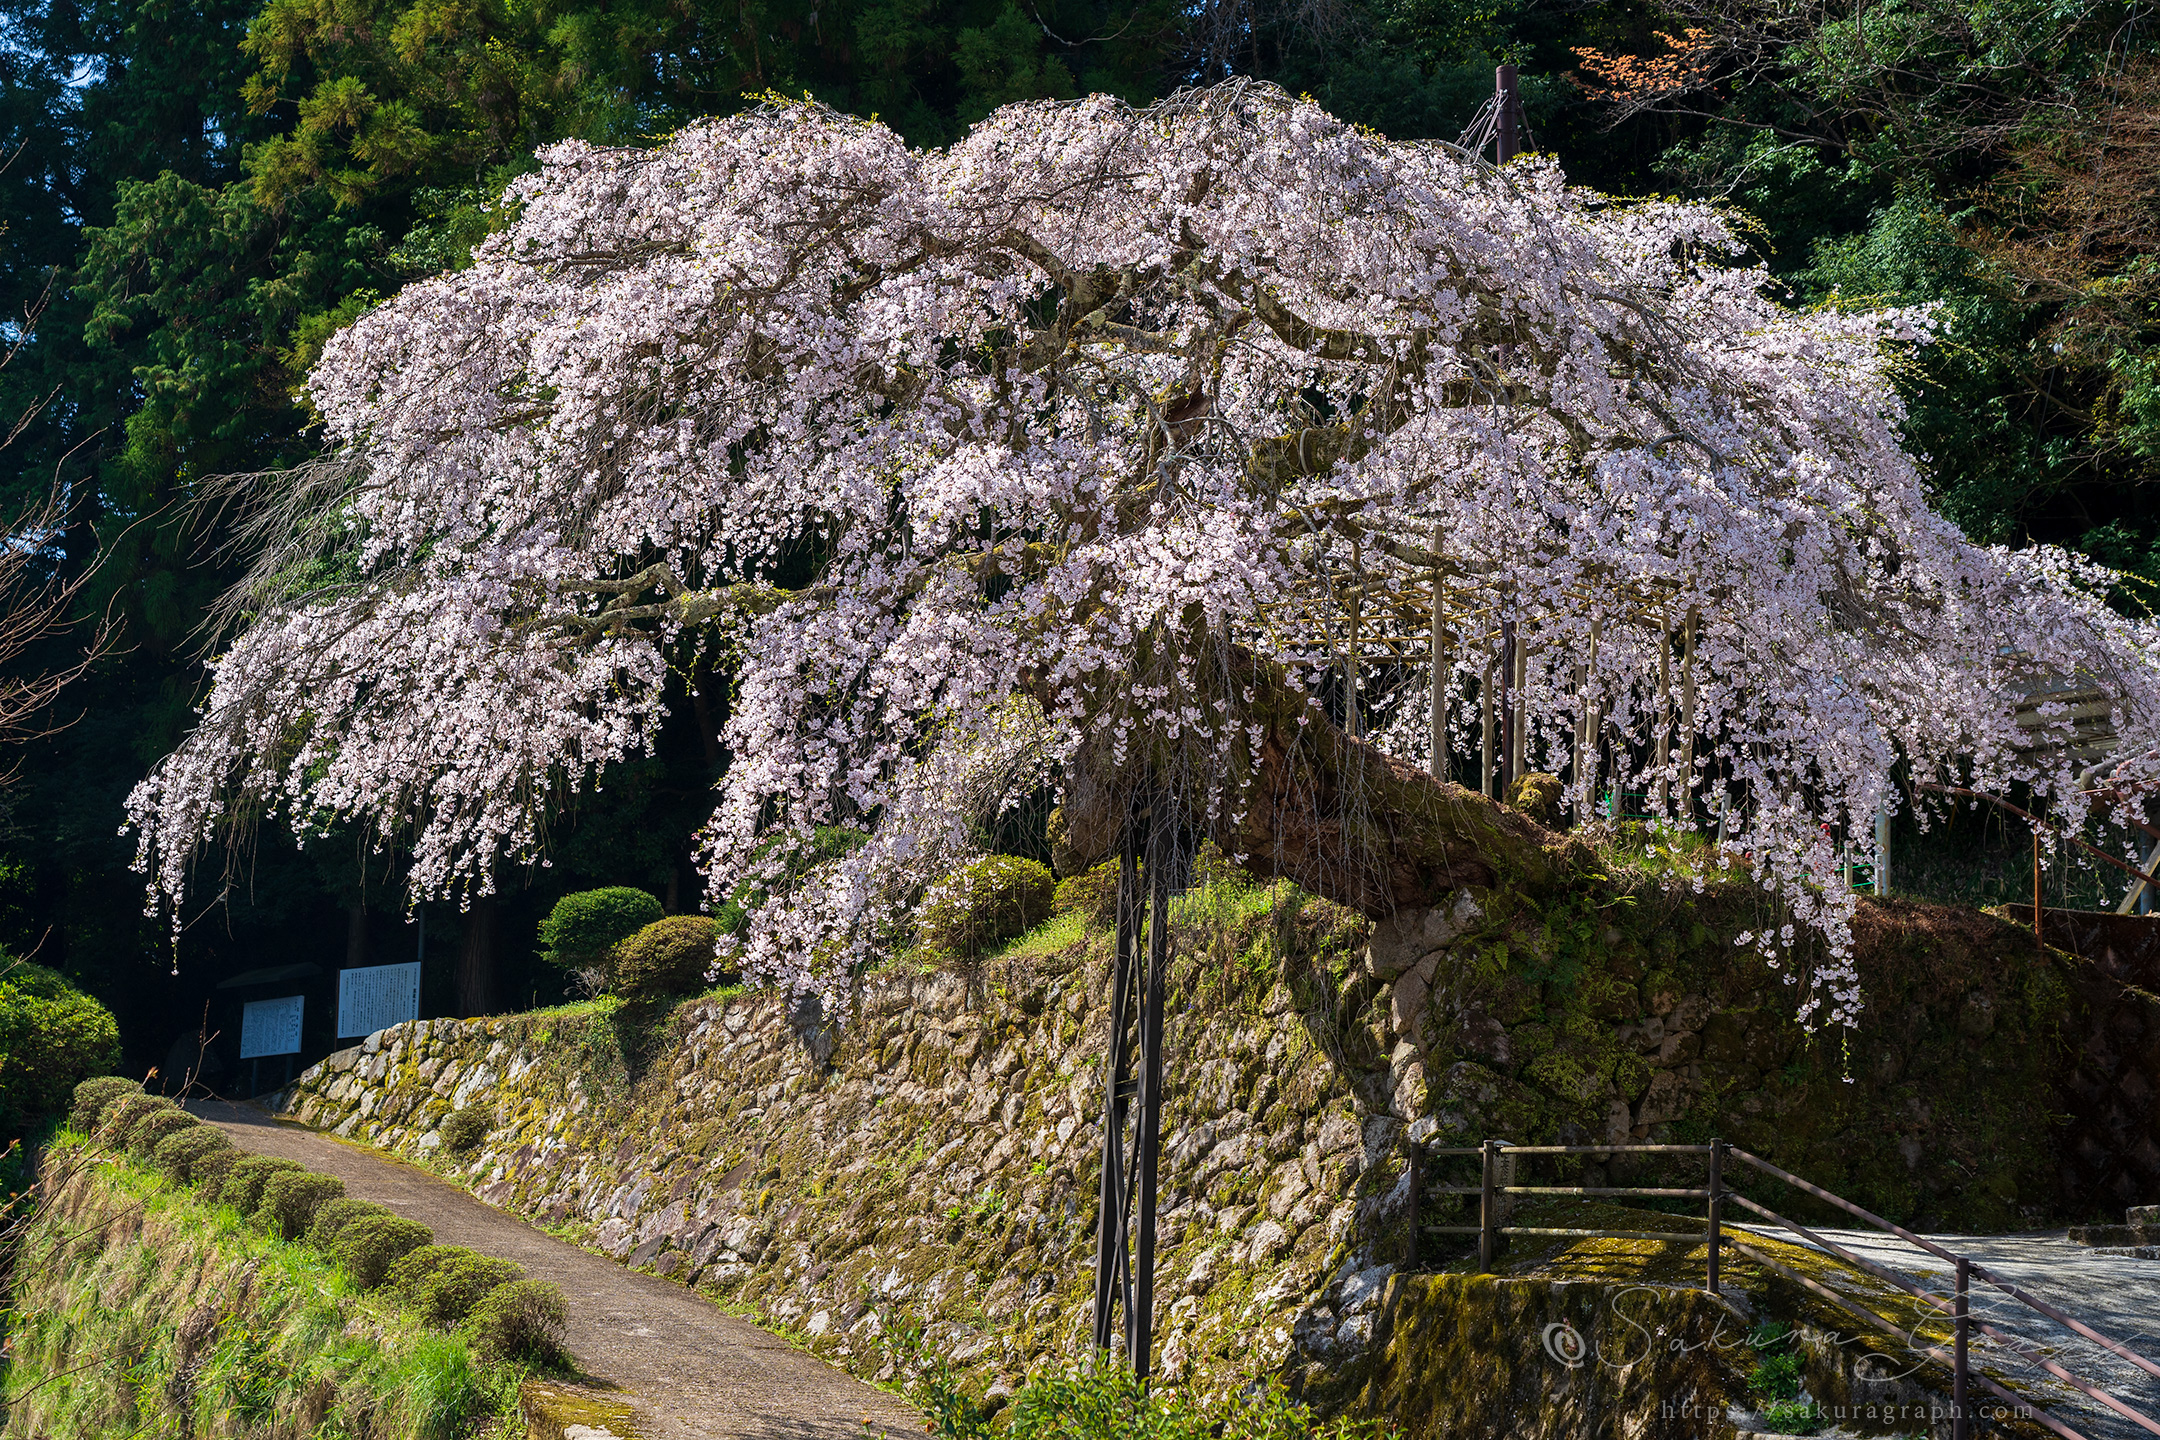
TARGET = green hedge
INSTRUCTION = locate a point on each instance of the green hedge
(147, 1133)
(290, 1200)
(444, 1282)
(370, 1245)
(179, 1153)
(332, 1218)
(505, 1314)
(522, 1321)
(94, 1097)
(243, 1187)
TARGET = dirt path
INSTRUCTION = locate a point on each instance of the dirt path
(692, 1371)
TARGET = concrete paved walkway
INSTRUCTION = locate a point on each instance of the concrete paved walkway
(2116, 1295)
(691, 1371)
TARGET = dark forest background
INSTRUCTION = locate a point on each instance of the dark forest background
(197, 192)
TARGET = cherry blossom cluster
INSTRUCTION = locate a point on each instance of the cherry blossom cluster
(1087, 421)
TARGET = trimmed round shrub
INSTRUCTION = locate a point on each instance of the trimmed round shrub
(584, 927)
(990, 901)
(244, 1180)
(333, 1216)
(462, 1130)
(146, 1134)
(520, 1321)
(1093, 893)
(290, 1200)
(444, 1282)
(121, 1115)
(52, 1038)
(207, 1171)
(367, 1247)
(667, 957)
(94, 1097)
(179, 1153)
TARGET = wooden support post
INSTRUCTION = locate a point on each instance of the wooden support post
(1437, 765)
(2036, 889)
(1717, 1206)
(1507, 98)
(1488, 1244)
(1960, 1428)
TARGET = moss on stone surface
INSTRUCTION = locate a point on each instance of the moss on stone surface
(933, 1154)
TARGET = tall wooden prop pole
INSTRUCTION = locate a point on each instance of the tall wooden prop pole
(1508, 106)
(1132, 1094)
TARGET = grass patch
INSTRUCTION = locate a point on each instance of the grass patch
(136, 1309)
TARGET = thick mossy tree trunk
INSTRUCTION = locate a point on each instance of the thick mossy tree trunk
(1334, 814)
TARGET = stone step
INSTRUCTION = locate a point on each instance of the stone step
(2143, 1215)
(2131, 1236)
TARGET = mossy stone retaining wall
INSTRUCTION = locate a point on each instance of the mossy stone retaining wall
(936, 1151)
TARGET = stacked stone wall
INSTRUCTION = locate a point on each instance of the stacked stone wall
(935, 1151)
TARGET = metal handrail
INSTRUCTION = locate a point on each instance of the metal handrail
(1956, 1307)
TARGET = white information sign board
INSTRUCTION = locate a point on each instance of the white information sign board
(378, 996)
(271, 1027)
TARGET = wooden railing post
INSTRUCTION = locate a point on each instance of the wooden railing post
(1959, 1429)
(1489, 1208)
(1717, 1206)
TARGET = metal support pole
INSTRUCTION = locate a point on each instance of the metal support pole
(1717, 1206)
(1959, 1426)
(1489, 1208)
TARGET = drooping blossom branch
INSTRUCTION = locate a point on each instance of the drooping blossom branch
(1119, 440)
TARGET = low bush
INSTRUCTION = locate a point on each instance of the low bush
(245, 1178)
(290, 1200)
(179, 1153)
(333, 1216)
(147, 1133)
(1092, 893)
(94, 1097)
(1104, 1402)
(52, 1038)
(463, 1129)
(520, 1322)
(207, 1171)
(367, 1247)
(445, 1282)
(583, 927)
(990, 901)
(668, 957)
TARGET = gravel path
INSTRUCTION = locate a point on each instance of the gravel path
(692, 1371)
(2116, 1295)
